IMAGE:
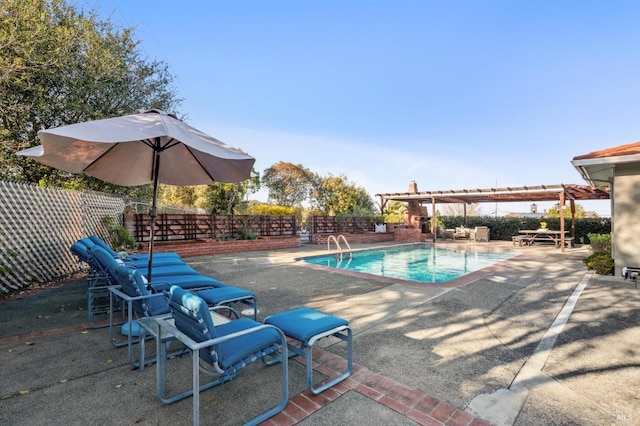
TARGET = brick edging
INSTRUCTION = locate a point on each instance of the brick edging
(411, 403)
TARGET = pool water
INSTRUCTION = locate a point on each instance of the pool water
(421, 263)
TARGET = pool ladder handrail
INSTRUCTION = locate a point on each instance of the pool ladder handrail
(337, 241)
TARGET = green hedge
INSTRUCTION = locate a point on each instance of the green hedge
(503, 228)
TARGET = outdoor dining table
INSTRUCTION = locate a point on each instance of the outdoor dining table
(529, 236)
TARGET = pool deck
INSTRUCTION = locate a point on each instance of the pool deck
(537, 341)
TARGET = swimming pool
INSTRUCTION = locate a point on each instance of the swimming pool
(421, 263)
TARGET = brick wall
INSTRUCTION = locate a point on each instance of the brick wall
(369, 237)
(209, 247)
(408, 235)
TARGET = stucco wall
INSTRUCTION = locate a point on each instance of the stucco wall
(626, 214)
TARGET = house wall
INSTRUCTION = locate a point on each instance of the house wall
(626, 216)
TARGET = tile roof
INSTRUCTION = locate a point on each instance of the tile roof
(628, 149)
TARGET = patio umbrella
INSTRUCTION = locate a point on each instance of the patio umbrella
(149, 146)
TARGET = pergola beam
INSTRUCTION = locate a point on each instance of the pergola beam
(559, 193)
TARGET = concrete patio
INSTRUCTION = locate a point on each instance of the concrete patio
(494, 351)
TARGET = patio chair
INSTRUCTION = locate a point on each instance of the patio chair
(144, 301)
(461, 233)
(480, 233)
(97, 284)
(141, 260)
(87, 244)
(106, 260)
(163, 277)
(97, 279)
(220, 351)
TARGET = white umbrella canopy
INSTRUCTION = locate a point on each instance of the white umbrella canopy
(149, 146)
(122, 150)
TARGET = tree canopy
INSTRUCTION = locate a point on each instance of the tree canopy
(335, 194)
(288, 184)
(61, 65)
(292, 184)
(555, 211)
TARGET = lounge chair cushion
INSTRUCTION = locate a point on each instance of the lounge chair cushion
(134, 285)
(230, 352)
(95, 240)
(223, 294)
(108, 261)
(99, 242)
(304, 323)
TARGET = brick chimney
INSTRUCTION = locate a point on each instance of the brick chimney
(414, 211)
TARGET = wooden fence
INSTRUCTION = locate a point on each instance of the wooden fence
(190, 227)
(341, 224)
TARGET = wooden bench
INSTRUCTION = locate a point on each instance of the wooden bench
(568, 241)
(528, 240)
(522, 239)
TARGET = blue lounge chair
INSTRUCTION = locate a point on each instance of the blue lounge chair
(142, 305)
(97, 284)
(135, 260)
(138, 256)
(97, 292)
(225, 348)
(163, 277)
(105, 261)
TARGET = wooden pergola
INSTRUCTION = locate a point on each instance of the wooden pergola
(558, 193)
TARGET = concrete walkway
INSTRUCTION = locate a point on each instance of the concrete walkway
(538, 341)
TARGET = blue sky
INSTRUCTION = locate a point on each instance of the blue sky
(451, 94)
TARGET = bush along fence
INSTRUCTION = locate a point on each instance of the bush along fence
(503, 228)
(37, 227)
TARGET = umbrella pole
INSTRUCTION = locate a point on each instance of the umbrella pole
(153, 211)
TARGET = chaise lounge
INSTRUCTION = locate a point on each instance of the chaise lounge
(220, 351)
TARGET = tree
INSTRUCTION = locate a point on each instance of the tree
(555, 211)
(457, 209)
(60, 65)
(222, 198)
(226, 198)
(289, 184)
(335, 194)
(394, 212)
(184, 196)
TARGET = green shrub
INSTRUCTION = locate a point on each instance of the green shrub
(600, 243)
(601, 263)
(503, 228)
(119, 237)
(258, 209)
(245, 234)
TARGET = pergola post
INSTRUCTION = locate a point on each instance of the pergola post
(433, 218)
(572, 204)
(561, 211)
